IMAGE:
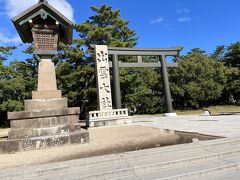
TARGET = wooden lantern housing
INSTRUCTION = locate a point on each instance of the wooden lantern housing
(45, 26)
(45, 38)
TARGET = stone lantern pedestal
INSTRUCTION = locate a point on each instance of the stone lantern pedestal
(47, 97)
(47, 107)
(47, 121)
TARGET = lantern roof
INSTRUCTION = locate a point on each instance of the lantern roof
(42, 12)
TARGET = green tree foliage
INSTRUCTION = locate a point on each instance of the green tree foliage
(231, 92)
(5, 52)
(230, 56)
(198, 81)
(17, 80)
(5, 74)
(6, 82)
(106, 27)
(232, 60)
(218, 54)
(140, 90)
(141, 87)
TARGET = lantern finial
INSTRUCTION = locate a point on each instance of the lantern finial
(42, 1)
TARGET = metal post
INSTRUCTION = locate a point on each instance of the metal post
(116, 82)
(166, 87)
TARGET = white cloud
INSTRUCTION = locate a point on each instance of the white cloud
(158, 20)
(183, 11)
(7, 39)
(14, 7)
(184, 19)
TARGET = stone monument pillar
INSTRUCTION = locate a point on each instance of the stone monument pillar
(103, 78)
(105, 114)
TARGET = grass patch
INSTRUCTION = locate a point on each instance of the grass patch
(190, 112)
(213, 109)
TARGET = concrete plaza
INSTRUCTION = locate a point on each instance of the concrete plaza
(222, 125)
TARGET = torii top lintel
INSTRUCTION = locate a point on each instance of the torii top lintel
(115, 51)
(42, 11)
(143, 51)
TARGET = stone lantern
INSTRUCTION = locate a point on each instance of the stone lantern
(46, 119)
(45, 27)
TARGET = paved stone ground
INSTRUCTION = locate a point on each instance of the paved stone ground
(224, 125)
(214, 159)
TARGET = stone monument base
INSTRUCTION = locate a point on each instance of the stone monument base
(46, 94)
(40, 129)
(108, 118)
(45, 104)
(39, 138)
(44, 118)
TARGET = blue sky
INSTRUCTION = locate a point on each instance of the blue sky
(188, 23)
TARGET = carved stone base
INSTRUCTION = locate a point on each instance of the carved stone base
(46, 94)
(45, 104)
(39, 138)
(49, 131)
(45, 118)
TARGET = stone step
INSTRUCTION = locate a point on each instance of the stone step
(123, 165)
(185, 162)
(174, 155)
(109, 174)
(48, 131)
(192, 171)
(116, 159)
(162, 151)
(157, 154)
(231, 175)
(205, 145)
(222, 169)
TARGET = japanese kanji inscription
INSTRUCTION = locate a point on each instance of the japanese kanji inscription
(103, 78)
